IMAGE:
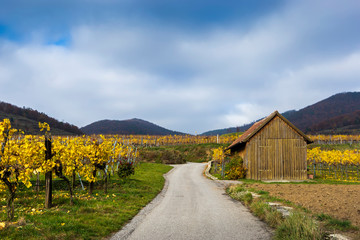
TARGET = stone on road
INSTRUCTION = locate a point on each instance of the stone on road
(194, 207)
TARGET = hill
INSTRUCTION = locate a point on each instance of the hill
(28, 120)
(343, 124)
(132, 126)
(338, 114)
(227, 130)
(341, 106)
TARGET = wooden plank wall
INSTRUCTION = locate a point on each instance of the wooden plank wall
(276, 152)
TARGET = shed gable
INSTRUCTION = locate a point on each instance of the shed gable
(277, 129)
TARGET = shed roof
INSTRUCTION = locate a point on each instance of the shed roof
(256, 127)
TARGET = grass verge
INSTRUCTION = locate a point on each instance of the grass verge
(300, 224)
(91, 217)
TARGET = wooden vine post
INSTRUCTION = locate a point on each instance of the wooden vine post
(48, 175)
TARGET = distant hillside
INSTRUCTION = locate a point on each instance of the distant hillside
(28, 119)
(227, 130)
(338, 114)
(131, 126)
(344, 124)
(340, 106)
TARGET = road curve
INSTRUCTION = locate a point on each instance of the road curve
(194, 207)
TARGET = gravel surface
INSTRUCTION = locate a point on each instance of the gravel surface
(193, 207)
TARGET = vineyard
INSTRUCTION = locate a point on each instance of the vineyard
(327, 164)
(334, 164)
(151, 141)
(335, 139)
(25, 159)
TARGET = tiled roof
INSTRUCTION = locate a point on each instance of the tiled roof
(247, 133)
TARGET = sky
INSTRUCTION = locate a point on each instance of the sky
(189, 66)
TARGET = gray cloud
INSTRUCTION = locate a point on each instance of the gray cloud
(186, 79)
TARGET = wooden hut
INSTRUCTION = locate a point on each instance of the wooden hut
(273, 149)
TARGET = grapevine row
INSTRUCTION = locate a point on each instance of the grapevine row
(334, 164)
(149, 140)
(335, 139)
(24, 156)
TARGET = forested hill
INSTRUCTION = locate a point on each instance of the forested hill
(330, 115)
(338, 114)
(343, 124)
(132, 126)
(28, 119)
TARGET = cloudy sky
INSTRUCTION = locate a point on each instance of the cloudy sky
(189, 66)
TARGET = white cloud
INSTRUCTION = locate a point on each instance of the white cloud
(188, 80)
(318, 81)
(245, 113)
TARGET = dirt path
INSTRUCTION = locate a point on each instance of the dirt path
(194, 207)
(340, 201)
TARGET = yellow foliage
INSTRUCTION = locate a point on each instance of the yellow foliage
(333, 157)
(44, 126)
(219, 154)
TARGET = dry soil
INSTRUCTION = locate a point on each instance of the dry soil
(339, 201)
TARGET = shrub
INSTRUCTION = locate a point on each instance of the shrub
(125, 169)
(196, 154)
(161, 155)
(147, 155)
(170, 156)
(235, 168)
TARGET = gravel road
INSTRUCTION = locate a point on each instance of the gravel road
(193, 207)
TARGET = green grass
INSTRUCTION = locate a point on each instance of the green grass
(335, 224)
(91, 217)
(298, 226)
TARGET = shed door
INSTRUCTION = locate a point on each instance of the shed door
(284, 159)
